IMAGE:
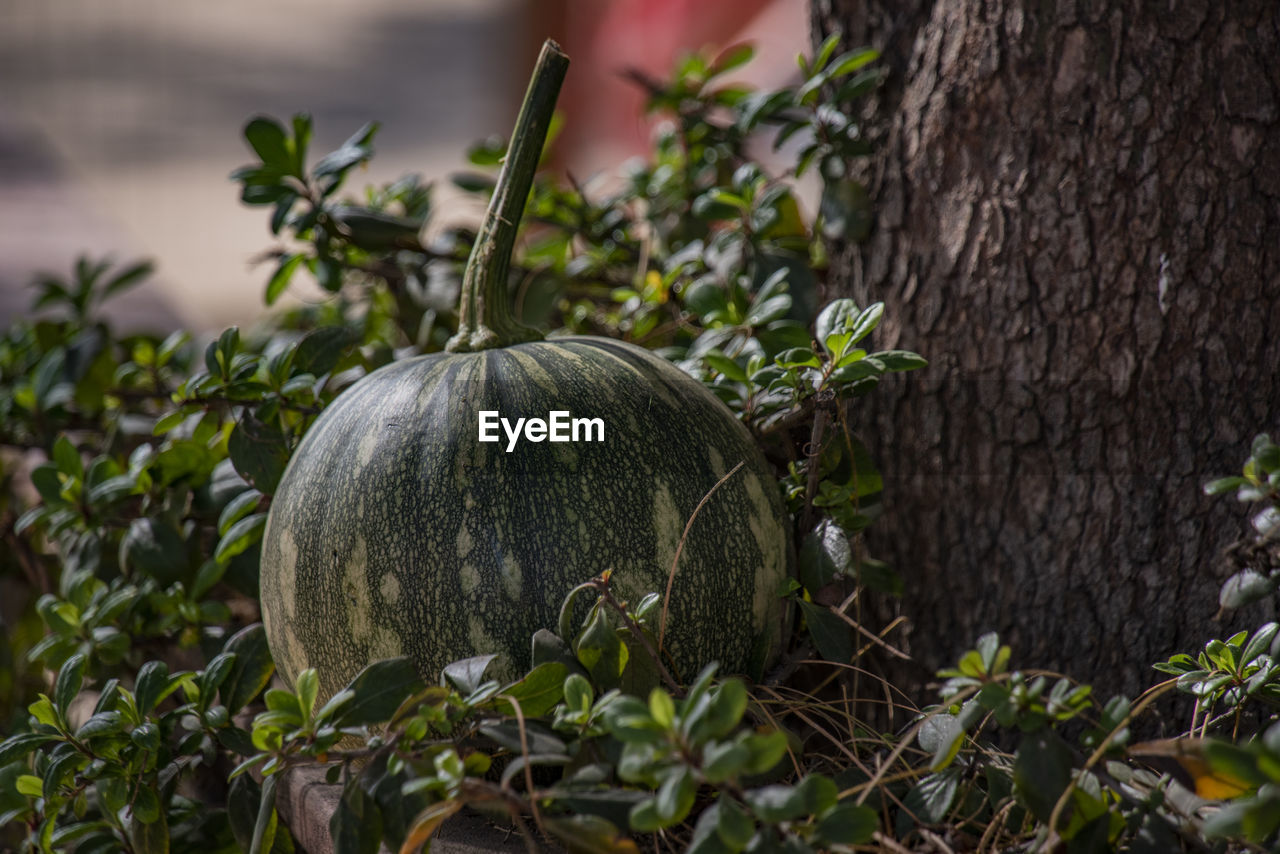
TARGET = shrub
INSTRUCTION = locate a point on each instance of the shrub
(138, 694)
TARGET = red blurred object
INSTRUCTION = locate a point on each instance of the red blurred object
(605, 39)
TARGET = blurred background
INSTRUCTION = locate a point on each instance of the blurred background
(120, 122)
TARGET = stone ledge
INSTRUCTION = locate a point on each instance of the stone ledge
(306, 802)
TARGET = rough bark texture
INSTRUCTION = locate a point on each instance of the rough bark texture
(1079, 225)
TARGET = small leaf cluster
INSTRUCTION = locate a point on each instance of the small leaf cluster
(369, 246)
(157, 476)
(114, 774)
(1038, 784)
(1258, 556)
(1072, 776)
(677, 747)
(590, 764)
(1242, 670)
(1255, 766)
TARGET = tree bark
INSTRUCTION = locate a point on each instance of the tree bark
(1079, 225)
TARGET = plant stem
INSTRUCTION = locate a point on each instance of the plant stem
(601, 584)
(484, 311)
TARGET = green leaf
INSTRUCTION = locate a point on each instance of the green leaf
(472, 182)
(167, 422)
(776, 803)
(237, 508)
(267, 139)
(331, 705)
(644, 816)
(662, 707)
(733, 56)
(466, 675)
(848, 824)
(723, 760)
(42, 710)
(900, 360)
(1246, 587)
(549, 646)
(538, 692)
(153, 678)
(822, 56)
(830, 634)
(356, 825)
(17, 746)
(706, 298)
(338, 162)
(942, 735)
(321, 349)
(44, 478)
(307, 686)
(867, 321)
(836, 318)
(264, 828)
(798, 357)
(515, 768)
(146, 736)
(127, 277)
(733, 825)
(818, 793)
(67, 458)
(113, 489)
(1259, 642)
(600, 650)
(578, 694)
(251, 670)
(153, 547)
(541, 741)
(301, 140)
(243, 799)
(212, 677)
(675, 796)
(487, 152)
(725, 710)
(1041, 772)
(932, 798)
(240, 537)
(146, 805)
(769, 310)
(283, 274)
(150, 837)
(723, 364)
(766, 750)
(259, 452)
(377, 231)
(613, 805)
(70, 679)
(378, 691)
(824, 556)
(852, 61)
(30, 786)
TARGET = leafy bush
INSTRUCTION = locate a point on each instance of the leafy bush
(138, 690)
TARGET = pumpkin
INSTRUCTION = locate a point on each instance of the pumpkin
(396, 531)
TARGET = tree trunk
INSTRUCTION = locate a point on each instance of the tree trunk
(1079, 225)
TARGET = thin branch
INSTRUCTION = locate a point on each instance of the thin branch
(675, 562)
(601, 585)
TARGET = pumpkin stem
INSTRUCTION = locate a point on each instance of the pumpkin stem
(484, 310)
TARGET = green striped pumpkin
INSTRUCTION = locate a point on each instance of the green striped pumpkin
(394, 531)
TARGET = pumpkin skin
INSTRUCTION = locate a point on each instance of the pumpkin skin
(394, 531)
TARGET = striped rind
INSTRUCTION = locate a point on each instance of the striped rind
(395, 532)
